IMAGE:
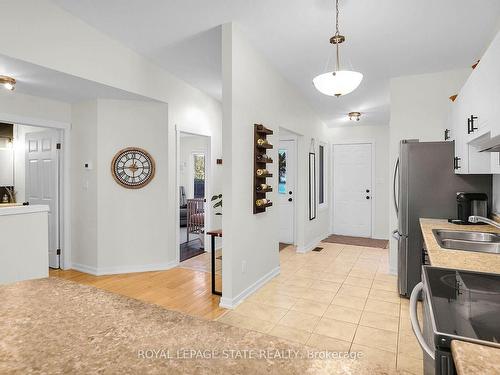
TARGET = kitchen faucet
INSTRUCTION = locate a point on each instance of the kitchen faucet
(477, 219)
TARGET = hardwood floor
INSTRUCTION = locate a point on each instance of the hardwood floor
(179, 289)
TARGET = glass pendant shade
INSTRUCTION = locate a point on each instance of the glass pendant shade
(337, 83)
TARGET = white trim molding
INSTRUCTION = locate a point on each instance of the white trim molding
(231, 303)
(301, 249)
(124, 269)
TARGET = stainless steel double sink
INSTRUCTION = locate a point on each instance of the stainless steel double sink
(483, 242)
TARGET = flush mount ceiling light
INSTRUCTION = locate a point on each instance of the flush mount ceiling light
(8, 83)
(339, 82)
(354, 116)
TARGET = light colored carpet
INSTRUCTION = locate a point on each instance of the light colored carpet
(54, 326)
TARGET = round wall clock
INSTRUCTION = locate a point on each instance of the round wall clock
(133, 167)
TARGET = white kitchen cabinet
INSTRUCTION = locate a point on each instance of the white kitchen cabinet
(474, 116)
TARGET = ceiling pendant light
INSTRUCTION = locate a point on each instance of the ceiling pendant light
(354, 116)
(8, 83)
(339, 82)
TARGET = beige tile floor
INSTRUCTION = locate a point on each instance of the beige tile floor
(339, 299)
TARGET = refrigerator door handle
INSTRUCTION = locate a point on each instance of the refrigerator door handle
(396, 167)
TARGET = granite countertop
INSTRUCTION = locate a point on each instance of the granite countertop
(475, 359)
(465, 260)
(469, 358)
(56, 326)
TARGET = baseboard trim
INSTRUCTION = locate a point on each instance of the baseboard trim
(124, 269)
(84, 268)
(311, 245)
(231, 303)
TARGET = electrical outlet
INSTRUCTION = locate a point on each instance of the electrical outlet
(244, 266)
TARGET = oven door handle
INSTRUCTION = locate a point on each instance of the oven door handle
(415, 325)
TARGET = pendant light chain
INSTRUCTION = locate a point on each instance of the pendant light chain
(337, 33)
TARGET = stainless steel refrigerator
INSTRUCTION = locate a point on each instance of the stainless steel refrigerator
(425, 186)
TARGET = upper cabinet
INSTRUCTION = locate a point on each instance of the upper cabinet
(474, 116)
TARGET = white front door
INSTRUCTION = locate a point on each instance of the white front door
(352, 190)
(286, 189)
(42, 181)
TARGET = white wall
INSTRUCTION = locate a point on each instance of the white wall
(254, 92)
(50, 37)
(379, 135)
(84, 187)
(115, 229)
(132, 222)
(419, 109)
(13, 104)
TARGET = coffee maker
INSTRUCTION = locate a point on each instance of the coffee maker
(471, 204)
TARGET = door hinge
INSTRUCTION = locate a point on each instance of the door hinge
(58, 252)
(58, 146)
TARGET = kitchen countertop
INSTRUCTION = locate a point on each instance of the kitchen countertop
(114, 334)
(465, 260)
(475, 359)
(469, 358)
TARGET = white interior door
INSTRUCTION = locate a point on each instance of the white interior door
(286, 189)
(352, 190)
(42, 181)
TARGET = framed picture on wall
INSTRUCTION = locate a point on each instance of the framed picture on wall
(312, 186)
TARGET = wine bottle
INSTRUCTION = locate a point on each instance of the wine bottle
(262, 142)
(262, 187)
(261, 202)
(262, 172)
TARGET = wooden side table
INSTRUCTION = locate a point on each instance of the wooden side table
(214, 234)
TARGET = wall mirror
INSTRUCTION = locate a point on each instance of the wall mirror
(312, 186)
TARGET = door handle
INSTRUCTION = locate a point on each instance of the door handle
(367, 197)
(415, 325)
(290, 199)
(394, 187)
(367, 190)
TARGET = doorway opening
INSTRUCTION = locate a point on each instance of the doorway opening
(194, 169)
(287, 176)
(353, 189)
(31, 170)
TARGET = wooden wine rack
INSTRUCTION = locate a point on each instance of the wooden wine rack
(261, 161)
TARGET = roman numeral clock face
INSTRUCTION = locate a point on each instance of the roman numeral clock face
(133, 168)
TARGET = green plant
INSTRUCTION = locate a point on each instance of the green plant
(217, 204)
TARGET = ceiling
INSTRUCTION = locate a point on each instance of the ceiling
(39, 81)
(385, 38)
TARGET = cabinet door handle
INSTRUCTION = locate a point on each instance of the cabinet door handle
(470, 124)
(446, 134)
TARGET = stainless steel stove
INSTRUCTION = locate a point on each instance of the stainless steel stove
(457, 304)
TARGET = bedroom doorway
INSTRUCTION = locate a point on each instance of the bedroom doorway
(194, 166)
